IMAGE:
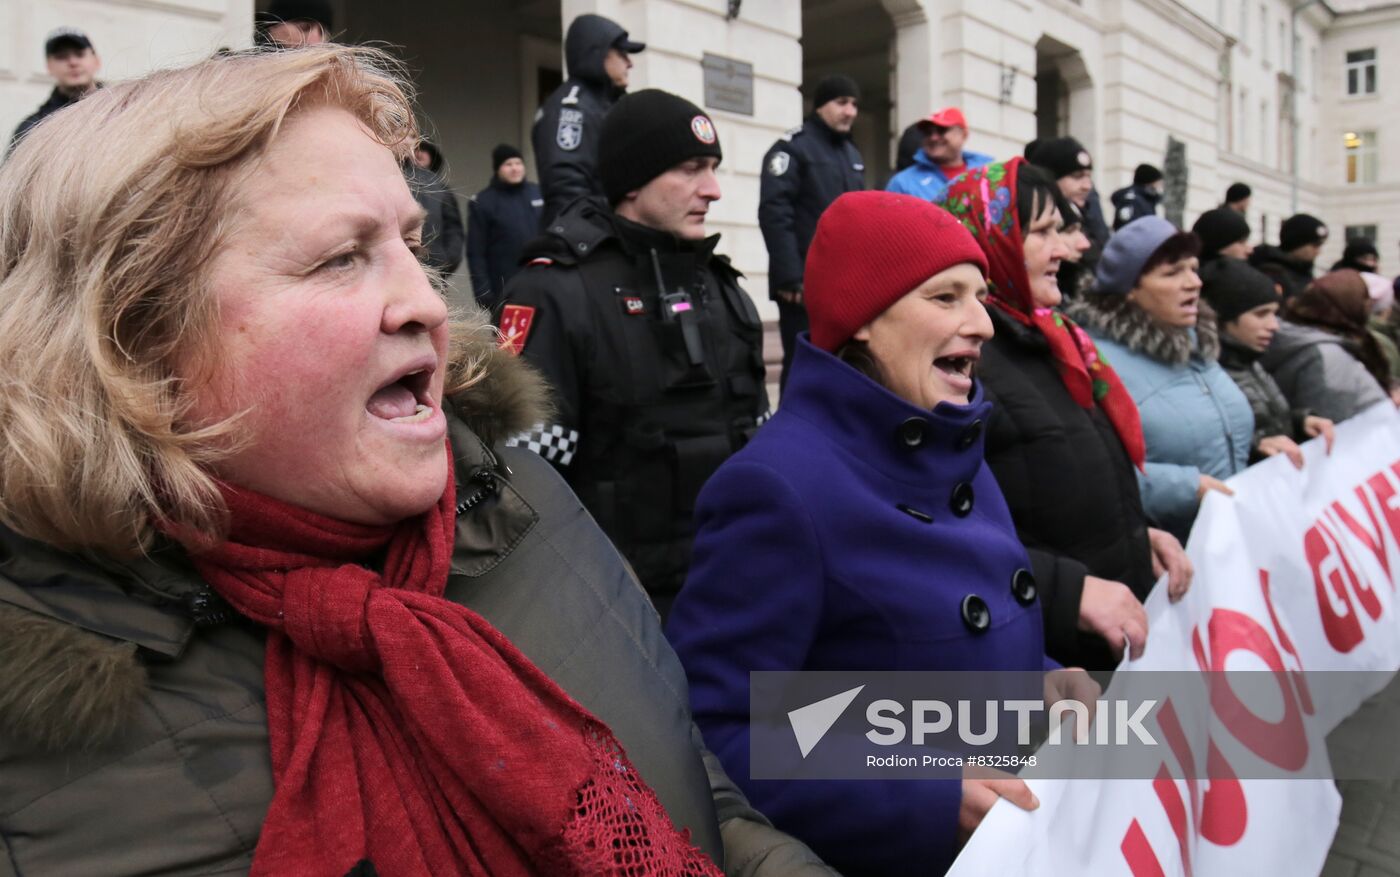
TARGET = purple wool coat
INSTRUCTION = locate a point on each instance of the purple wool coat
(850, 534)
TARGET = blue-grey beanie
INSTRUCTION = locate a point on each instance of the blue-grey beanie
(1127, 251)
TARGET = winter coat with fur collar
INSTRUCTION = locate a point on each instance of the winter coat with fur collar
(1196, 421)
(133, 736)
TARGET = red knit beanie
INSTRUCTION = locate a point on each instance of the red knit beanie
(870, 250)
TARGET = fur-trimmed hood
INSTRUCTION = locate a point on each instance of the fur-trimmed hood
(65, 684)
(510, 396)
(1114, 317)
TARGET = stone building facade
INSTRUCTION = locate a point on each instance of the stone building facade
(1241, 83)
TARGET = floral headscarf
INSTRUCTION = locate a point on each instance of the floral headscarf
(984, 200)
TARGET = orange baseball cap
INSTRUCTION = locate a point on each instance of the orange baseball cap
(948, 117)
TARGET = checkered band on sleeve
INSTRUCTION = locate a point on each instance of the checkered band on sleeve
(555, 443)
(763, 418)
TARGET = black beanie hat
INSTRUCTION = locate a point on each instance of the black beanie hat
(647, 133)
(1234, 287)
(1061, 156)
(1218, 229)
(1300, 230)
(834, 86)
(1359, 247)
(318, 11)
(1146, 175)
(503, 153)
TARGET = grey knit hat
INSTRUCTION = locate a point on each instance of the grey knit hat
(1127, 251)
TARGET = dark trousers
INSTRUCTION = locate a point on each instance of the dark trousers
(792, 320)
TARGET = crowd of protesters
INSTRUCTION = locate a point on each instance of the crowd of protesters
(328, 589)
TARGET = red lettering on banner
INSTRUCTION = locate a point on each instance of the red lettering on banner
(1224, 812)
(1387, 501)
(1137, 852)
(1373, 539)
(1170, 796)
(1280, 743)
(1360, 584)
(1339, 620)
(1300, 681)
(1181, 748)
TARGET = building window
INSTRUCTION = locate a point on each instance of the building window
(1361, 156)
(1361, 71)
(1361, 233)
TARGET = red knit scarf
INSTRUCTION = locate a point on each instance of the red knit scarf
(406, 730)
(984, 200)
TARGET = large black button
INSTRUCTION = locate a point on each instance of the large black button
(970, 434)
(975, 614)
(961, 500)
(911, 432)
(1023, 586)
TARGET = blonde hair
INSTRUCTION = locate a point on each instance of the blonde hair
(110, 215)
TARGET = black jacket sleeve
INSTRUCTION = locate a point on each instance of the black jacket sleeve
(1060, 581)
(452, 234)
(559, 344)
(779, 184)
(566, 174)
(478, 236)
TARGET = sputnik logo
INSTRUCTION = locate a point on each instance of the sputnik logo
(811, 722)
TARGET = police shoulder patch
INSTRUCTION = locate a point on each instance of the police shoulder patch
(569, 134)
(516, 321)
(778, 163)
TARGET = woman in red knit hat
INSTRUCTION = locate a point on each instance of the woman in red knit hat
(862, 530)
(1066, 441)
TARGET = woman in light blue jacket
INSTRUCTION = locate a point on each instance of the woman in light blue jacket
(1143, 312)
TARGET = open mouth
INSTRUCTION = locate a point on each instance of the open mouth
(406, 399)
(957, 370)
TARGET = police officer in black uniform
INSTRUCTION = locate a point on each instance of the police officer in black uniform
(565, 135)
(652, 348)
(807, 169)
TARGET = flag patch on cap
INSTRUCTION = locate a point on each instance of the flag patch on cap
(703, 130)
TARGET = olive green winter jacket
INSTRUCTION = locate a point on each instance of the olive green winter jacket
(133, 737)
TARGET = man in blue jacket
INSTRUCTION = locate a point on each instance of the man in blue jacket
(808, 168)
(504, 216)
(941, 159)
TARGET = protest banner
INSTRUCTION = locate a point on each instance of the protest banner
(1296, 572)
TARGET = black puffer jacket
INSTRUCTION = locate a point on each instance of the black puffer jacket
(1272, 413)
(442, 227)
(565, 135)
(133, 729)
(1072, 490)
(57, 101)
(1294, 274)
